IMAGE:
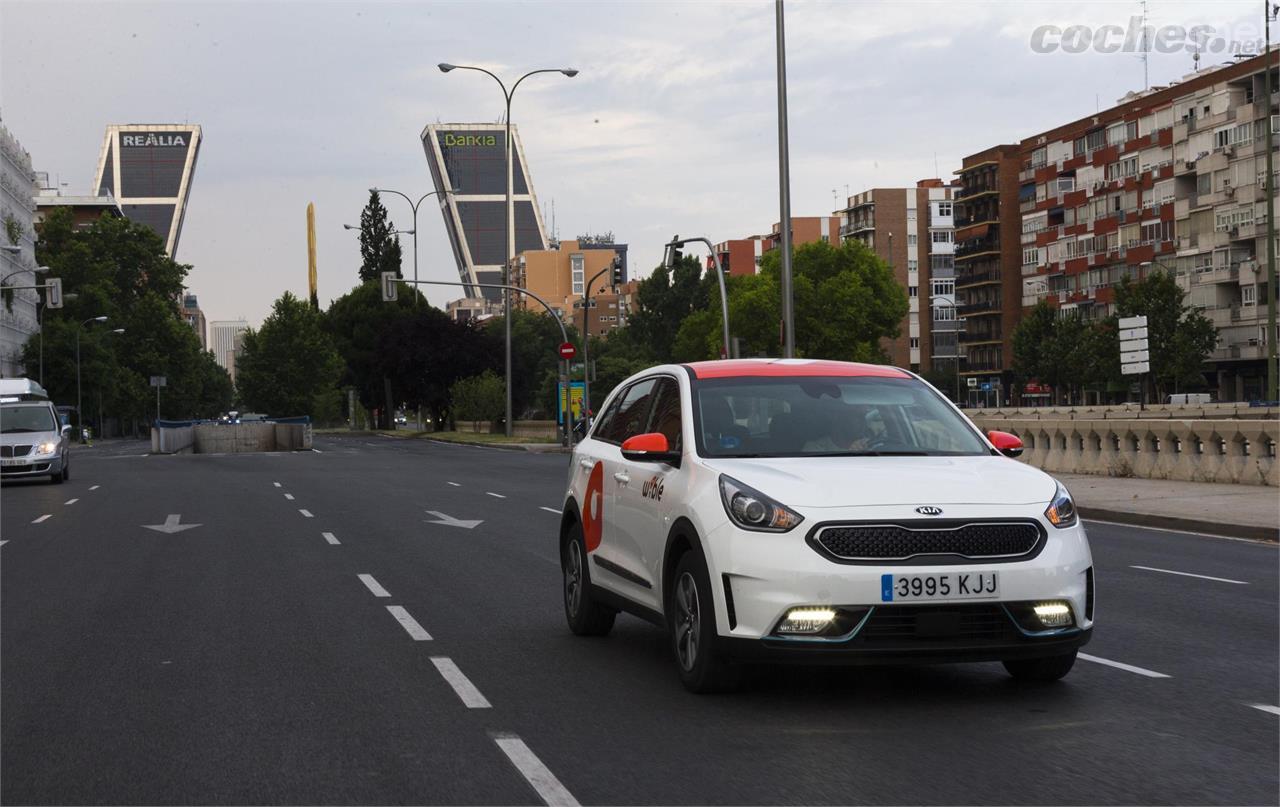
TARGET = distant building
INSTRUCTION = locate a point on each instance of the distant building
(225, 340)
(195, 318)
(472, 308)
(148, 169)
(469, 159)
(86, 208)
(559, 276)
(17, 212)
(742, 256)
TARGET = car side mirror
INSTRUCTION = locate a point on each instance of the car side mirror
(65, 431)
(650, 447)
(1007, 444)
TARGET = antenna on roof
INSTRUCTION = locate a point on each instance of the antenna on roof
(1146, 49)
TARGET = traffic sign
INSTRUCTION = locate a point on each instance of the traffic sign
(159, 381)
(1133, 356)
(568, 351)
(1133, 333)
(1133, 344)
(1133, 322)
(1135, 369)
(986, 387)
(973, 382)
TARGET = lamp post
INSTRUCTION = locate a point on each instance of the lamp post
(414, 207)
(445, 67)
(1273, 392)
(71, 295)
(79, 398)
(784, 191)
(673, 255)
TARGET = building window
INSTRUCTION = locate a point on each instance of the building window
(942, 236)
(913, 266)
(913, 291)
(944, 208)
(911, 214)
(943, 288)
(939, 263)
(912, 239)
(1249, 295)
(915, 343)
(944, 313)
(577, 268)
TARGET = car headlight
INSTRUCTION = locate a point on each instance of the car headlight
(752, 510)
(1062, 510)
(45, 449)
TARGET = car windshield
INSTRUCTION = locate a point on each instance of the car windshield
(19, 419)
(812, 417)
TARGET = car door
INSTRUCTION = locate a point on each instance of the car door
(643, 506)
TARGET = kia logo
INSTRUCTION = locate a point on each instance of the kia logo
(929, 510)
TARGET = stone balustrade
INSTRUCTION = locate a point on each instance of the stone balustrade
(1215, 411)
(1192, 450)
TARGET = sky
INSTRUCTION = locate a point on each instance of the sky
(670, 127)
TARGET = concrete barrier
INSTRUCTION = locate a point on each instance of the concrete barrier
(240, 438)
(536, 428)
(1234, 451)
(172, 439)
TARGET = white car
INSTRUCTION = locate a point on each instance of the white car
(819, 511)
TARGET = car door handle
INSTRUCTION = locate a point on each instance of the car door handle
(586, 464)
(622, 478)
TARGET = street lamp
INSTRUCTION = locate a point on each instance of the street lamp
(941, 301)
(414, 207)
(672, 256)
(445, 67)
(79, 398)
(71, 295)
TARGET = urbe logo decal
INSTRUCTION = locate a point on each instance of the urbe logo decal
(653, 489)
(929, 510)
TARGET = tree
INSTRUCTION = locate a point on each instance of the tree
(480, 397)
(289, 364)
(379, 248)
(663, 301)
(355, 322)
(1180, 337)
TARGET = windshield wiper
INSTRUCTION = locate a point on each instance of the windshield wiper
(870, 454)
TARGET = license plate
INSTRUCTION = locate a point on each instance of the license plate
(951, 586)
(15, 461)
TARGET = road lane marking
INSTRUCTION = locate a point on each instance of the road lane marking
(277, 484)
(494, 495)
(328, 536)
(318, 451)
(410, 625)
(70, 501)
(2, 543)
(42, 518)
(1181, 532)
(455, 484)
(374, 586)
(289, 496)
(1189, 574)
(305, 513)
(1122, 666)
(95, 487)
(1275, 710)
(462, 686)
(551, 510)
(535, 773)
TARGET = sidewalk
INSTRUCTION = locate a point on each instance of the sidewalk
(1241, 511)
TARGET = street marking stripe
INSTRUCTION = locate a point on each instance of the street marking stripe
(1275, 710)
(289, 496)
(551, 510)
(1189, 574)
(373, 586)
(95, 487)
(71, 501)
(410, 625)
(1122, 666)
(318, 451)
(42, 518)
(494, 495)
(328, 536)
(277, 484)
(455, 484)
(305, 513)
(2, 543)
(466, 691)
(534, 772)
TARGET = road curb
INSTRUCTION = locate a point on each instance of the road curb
(500, 446)
(1253, 533)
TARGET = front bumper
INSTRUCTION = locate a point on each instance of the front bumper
(33, 466)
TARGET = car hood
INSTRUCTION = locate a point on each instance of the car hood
(27, 438)
(868, 481)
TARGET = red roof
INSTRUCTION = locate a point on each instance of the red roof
(788, 368)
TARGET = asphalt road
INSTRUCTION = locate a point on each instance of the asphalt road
(246, 660)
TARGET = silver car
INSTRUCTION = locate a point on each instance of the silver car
(32, 443)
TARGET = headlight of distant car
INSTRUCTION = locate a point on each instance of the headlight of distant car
(752, 510)
(47, 448)
(1062, 510)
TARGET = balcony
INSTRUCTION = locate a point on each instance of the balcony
(975, 192)
(1244, 351)
(1215, 274)
(977, 278)
(990, 338)
(978, 309)
(977, 246)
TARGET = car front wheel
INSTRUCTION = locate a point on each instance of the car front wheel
(585, 616)
(692, 622)
(1041, 670)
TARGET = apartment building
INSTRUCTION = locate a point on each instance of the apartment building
(742, 256)
(913, 230)
(1171, 179)
(559, 276)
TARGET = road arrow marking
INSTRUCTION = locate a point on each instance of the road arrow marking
(450, 521)
(170, 525)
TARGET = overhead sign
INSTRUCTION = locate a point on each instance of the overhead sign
(1133, 322)
(1135, 369)
(567, 351)
(1134, 356)
(1133, 333)
(53, 293)
(159, 381)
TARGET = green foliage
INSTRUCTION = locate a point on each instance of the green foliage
(1180, 336)
(379, 248)
(479, 397)
(355, 322)
(663, 301)
(290, 363)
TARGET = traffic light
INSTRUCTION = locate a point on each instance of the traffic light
(673, 255)
(390, 291)
(617, 271)
(53, 293)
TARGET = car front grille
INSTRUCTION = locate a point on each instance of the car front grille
(8, 452)
(880, 543)
(892, 625)
(16, 470)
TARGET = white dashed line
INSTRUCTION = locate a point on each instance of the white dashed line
(328, 536)
(534, 772)
(455, 484)
(494, 495)
(277, 484)
(551, 510)
(1122, 666)
(2, 543)
(42, 518)
(1275, 710)
(410, 625)
(466, 691)
(374, 586)
(289, 496)
(71, 501)
(305, 513)
(1189, 574)
(318, 451)
(95, 487)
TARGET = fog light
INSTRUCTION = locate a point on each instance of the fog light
(1053, 614)
(807, 620)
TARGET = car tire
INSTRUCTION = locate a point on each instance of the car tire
(1041, 670)
(585, 616)
(691, 622)
(66, 470)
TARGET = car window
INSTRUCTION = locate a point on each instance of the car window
(666, 413)
(632, 413)
(22, 419)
